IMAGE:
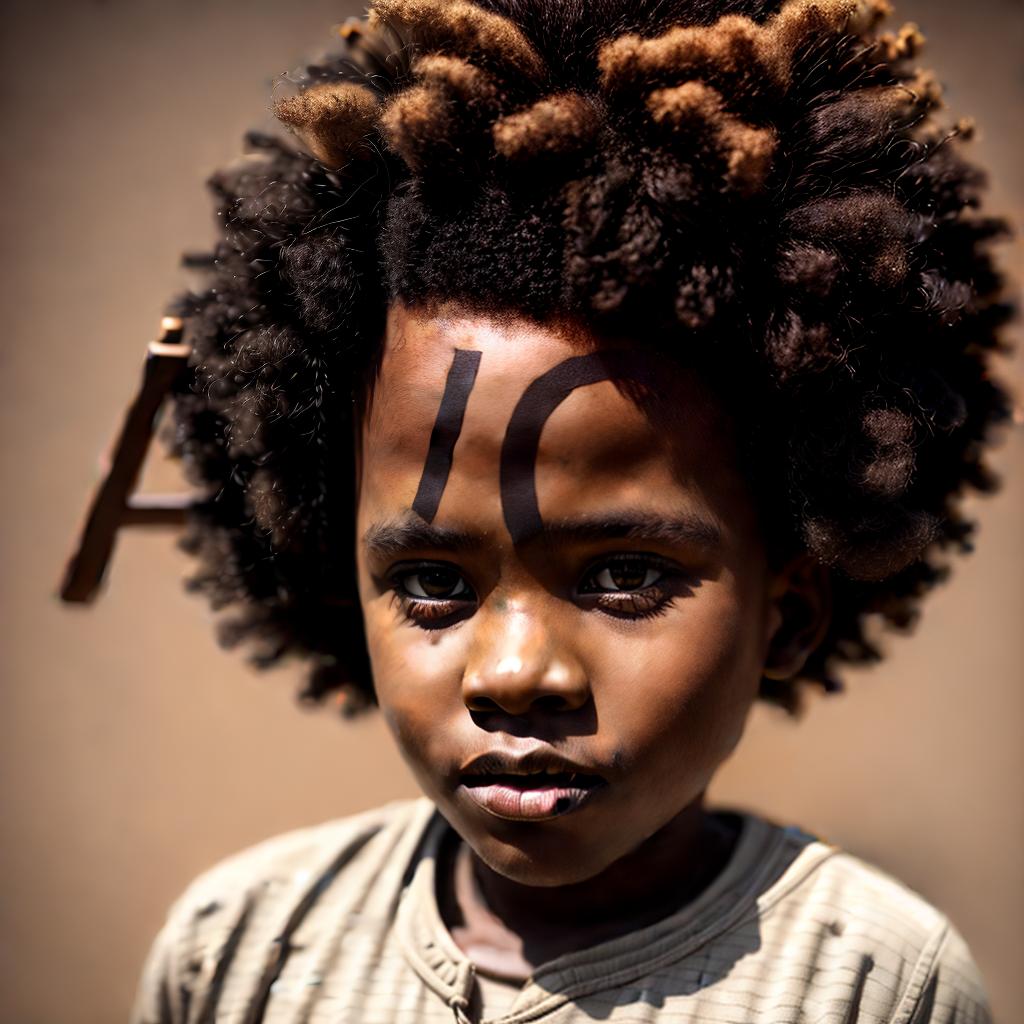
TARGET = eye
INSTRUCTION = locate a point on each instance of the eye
(432, 595)
(437, 583)
(625, 575)
(631, 585)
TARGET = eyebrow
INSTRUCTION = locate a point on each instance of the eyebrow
(680, 528)
(393, 537)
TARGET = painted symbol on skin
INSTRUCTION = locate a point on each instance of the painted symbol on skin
(542, 397)
(447, 427)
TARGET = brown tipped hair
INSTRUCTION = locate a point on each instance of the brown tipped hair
(763, 189)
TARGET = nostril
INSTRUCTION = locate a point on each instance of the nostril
(547, 702)
(481, 704)
(551, 702)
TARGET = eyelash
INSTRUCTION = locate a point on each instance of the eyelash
(642, 603)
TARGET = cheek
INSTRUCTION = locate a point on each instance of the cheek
(681, 689)
(417, 677)
(408, 661)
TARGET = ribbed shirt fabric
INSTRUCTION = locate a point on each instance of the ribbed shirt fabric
(339, 923)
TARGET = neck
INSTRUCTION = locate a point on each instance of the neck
(511, 928)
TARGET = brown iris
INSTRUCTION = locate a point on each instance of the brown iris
(438, 582)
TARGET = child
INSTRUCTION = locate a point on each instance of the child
(596, 369)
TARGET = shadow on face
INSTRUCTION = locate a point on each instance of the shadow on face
(566, 631)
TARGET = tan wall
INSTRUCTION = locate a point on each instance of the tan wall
(134, 752)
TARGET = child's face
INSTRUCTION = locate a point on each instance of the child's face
(629, 654)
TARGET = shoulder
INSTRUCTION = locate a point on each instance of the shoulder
(301, 849)
(260, 887)
(299, 855)
(871, 940)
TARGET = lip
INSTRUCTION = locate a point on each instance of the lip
(535, 785)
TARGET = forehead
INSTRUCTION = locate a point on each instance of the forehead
(635, 440)
(419, 348)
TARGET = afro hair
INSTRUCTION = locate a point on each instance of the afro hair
(757, 187)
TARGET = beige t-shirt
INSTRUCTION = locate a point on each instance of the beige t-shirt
(339, 923)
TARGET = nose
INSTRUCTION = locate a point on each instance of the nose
(518, 664)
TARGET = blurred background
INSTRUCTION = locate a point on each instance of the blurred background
(135, 753)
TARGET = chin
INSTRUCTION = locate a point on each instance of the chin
(548, 867)
(544, 854)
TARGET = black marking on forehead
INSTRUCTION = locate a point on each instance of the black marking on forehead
(447, 427)
(534, 409)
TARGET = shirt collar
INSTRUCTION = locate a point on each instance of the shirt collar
(762, 865)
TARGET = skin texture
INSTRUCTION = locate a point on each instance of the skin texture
(548, 645)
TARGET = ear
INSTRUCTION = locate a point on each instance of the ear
(801, 607)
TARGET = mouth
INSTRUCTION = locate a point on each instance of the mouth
(532, 788)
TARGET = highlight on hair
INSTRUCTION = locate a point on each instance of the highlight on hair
(759, 187)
